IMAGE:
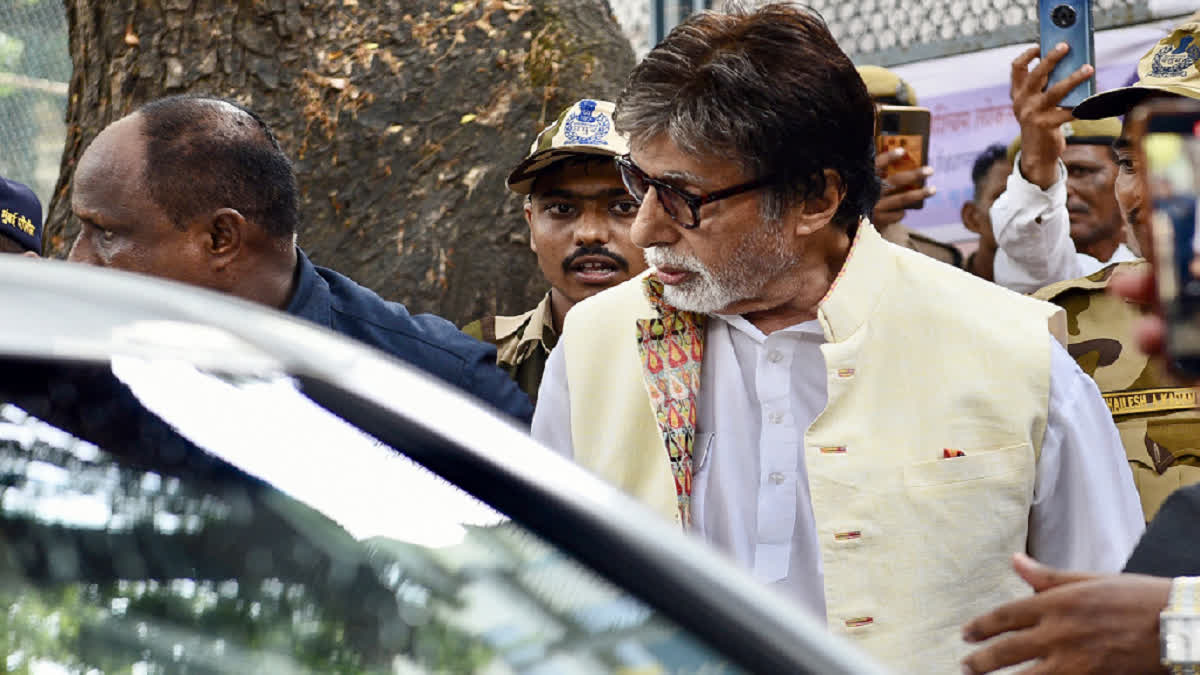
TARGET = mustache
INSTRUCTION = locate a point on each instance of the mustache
(658, 256)
(582, 251)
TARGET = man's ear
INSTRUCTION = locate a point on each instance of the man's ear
(529, 222)
(225, 235)
(970, 217)
(817, 212)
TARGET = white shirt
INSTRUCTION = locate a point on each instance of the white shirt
(750, 493)
(1033, 236)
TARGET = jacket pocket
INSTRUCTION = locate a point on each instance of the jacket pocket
(974, 465)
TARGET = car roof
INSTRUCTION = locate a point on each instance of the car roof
(68, 312)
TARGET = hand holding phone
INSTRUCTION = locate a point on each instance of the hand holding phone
(1039, 113)
(1068, 21)
(902, 151)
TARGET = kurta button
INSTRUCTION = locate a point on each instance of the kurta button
(776, 477)
(774, 356)
(775, 417)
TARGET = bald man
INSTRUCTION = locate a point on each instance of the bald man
(198, 190)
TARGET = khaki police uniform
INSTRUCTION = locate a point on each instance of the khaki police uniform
(1158, 421)
(523, 343)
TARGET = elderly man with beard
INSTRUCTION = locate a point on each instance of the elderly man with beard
(579, 215)
(864, 428)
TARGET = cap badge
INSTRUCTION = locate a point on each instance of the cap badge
(586, 127)
(1174, 61)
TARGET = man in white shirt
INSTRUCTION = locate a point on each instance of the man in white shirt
(1057, 218)
(865, 428)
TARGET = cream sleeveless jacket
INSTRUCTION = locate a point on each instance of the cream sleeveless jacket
(923, 362)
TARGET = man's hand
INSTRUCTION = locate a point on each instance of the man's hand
(1076, 623)
(1037, 112)
(898, 193)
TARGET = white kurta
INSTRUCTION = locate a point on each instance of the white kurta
(750, 494)
(1033, 236)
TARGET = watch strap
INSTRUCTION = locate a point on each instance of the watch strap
(1183, 603)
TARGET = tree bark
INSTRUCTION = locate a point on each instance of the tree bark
(402, 118)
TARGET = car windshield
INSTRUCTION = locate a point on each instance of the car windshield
(155, 517)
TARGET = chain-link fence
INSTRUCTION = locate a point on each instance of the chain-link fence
(35, 67)
(892, 32)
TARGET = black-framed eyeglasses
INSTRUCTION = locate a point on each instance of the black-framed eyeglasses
(676, 202)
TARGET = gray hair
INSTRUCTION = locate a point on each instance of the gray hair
(769, 87)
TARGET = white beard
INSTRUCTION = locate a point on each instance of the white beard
(703, 293)
(757, 259)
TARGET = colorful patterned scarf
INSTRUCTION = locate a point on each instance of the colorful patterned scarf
(671, 347)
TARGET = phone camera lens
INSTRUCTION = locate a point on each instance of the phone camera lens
(1063, 16)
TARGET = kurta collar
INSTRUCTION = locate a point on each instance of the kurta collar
(859, 285)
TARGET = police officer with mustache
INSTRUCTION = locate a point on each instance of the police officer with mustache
(579, 214)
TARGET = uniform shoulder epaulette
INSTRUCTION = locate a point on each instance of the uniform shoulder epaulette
(1096, 281)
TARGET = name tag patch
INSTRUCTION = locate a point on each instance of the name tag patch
(1150, 400)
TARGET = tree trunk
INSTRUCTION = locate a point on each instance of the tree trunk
(403, 119)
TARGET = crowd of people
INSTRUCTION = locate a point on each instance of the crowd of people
(741, 334)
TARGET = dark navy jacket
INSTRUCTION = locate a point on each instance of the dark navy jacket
(429, 342)
(1170, 547)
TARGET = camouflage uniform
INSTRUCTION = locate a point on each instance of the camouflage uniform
(1158, 422)
(523, 343)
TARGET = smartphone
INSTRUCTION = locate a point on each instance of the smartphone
(907, 128)
(1166, 138)
(1068, 21)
